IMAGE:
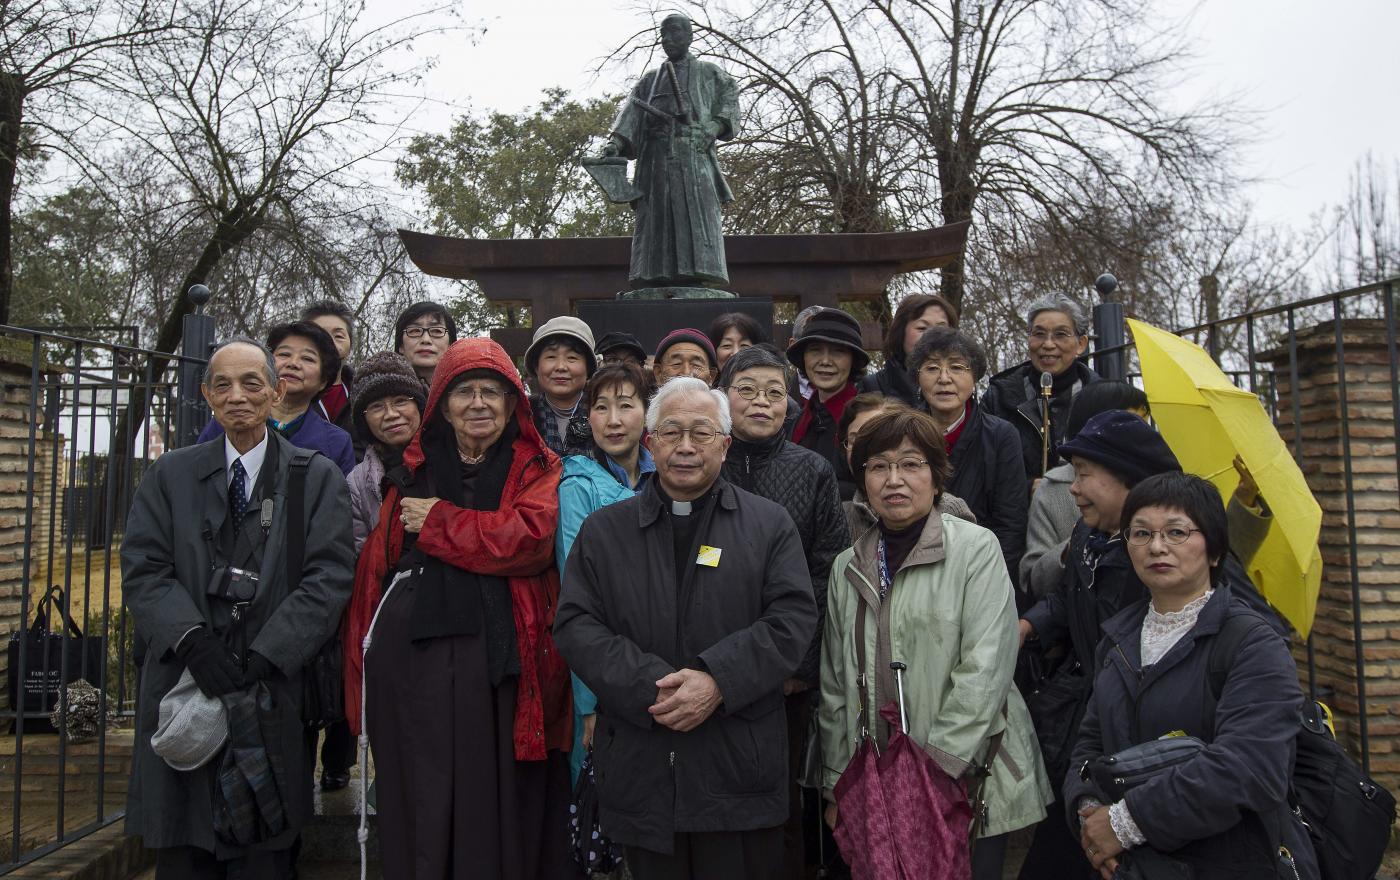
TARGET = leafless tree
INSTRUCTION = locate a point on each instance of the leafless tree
(1364, 246)
(257, 113)
(56, 57)
(882, 114)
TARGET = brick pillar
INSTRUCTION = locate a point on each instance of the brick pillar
(1375, 514)
(16, 392)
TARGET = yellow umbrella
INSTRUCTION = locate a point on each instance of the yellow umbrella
(1207, 421)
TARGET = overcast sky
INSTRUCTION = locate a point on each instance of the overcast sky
(1323, 75)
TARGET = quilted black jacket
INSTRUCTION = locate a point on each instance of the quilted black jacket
(803, 483)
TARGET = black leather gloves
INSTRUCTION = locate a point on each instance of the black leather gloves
(211, 663)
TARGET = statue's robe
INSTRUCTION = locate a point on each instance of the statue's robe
(677, 239)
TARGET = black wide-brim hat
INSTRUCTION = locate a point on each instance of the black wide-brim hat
(832, 326)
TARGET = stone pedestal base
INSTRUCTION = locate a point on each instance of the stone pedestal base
(676, 293)
(651, 319)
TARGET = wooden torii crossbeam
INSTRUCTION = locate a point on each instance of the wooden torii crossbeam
(552, 274)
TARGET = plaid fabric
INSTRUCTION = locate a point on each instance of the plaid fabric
(578, 439)
(248, 805)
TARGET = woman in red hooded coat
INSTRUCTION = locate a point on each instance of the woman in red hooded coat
(464, 697)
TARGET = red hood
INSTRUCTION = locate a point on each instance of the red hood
(475, 354)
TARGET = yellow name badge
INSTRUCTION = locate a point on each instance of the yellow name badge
(708, 556)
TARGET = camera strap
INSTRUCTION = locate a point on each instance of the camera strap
(296, 514)
(249, 536)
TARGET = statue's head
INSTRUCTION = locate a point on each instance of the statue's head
(676, 35)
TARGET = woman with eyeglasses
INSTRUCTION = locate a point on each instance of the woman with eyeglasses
(931, 591)
(422, 333)
(615, 470)
(1057, 334)
(762, 461)
(1224, 813)
(984, 452)
(916, 314)
(387, 407)
(465, 697)
(1114, 452)
(858, 413)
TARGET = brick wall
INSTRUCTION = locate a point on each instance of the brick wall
(16, 392)
(1374, 511)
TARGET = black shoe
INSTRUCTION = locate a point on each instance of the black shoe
(334, 781)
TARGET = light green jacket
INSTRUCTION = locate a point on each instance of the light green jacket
(950, 617)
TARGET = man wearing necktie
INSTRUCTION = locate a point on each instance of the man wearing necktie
(205, 575)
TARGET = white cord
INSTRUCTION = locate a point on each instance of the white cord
(363, 832)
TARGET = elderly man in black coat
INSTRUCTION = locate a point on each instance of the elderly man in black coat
(206, 547)
(685, 609)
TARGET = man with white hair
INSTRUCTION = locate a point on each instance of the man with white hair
(684, 609)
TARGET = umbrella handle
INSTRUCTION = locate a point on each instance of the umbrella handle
(899, 684)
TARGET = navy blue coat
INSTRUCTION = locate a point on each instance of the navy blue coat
(1220, 811)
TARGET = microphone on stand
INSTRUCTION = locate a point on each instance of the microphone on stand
(1046, 383)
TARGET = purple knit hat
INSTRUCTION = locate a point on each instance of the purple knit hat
(688, 334)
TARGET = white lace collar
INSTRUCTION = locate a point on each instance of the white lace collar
(1163, 629)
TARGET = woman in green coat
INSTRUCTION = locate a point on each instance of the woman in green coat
(939, 600)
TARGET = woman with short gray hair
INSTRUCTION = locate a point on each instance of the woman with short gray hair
(1057, 335)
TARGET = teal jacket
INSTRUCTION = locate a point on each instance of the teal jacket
(585, 487)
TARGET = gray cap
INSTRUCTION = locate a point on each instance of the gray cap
(193, 728)
(564, 325)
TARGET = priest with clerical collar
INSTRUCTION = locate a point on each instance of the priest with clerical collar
(686, 638)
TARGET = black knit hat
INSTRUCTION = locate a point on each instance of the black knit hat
(836, 327)
(381, 375)
(1123, 443)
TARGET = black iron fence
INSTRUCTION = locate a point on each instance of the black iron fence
(80, 421)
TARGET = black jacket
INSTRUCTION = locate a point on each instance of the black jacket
(802, 482)
(1014, 395)
(623, 623)
(1220, 811)
(989, 475)
(821, 439)
(892, 380)
(1098, 582)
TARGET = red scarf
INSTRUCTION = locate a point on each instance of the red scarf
(950, 439)
(835, 405)
(334, 400)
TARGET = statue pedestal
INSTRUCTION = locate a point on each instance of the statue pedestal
(558, 276)
(677, 293)
(651, 319)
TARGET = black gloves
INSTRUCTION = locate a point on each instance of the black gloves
(210, 662)
(259, 669)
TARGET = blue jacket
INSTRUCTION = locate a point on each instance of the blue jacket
(315, 433)
(1218, 811)
(585, 487)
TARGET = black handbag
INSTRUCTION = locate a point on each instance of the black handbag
(44, 653)
(1117, 774)
(323, 687)
(1056, 707)
(593, 852)
(1145, 863)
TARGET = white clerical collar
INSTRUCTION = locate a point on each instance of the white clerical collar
(681, 508)
(252, 460)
